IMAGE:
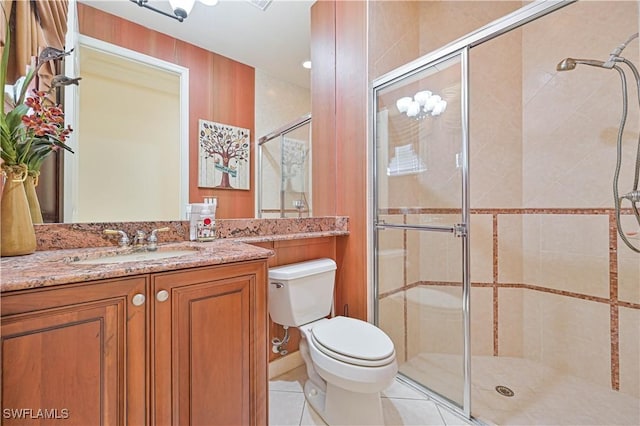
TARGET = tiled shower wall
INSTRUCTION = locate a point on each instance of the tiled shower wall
(551, 280)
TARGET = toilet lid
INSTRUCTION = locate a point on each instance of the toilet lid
(352, 340)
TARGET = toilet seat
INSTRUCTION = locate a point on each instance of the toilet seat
(353, 341)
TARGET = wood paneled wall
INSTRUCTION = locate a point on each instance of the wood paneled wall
(351, 153)
(339, 106)
(220, 90)
(323, 107)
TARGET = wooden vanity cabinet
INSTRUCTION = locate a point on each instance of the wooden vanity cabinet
(209, 346)
(74, 354)
(192, 352)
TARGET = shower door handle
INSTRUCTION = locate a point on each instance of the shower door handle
(435, 228)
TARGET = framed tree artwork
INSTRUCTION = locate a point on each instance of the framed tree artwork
(223, 156)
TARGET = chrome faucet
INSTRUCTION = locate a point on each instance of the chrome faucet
(124, 238)
(153, 238)
(139, 240)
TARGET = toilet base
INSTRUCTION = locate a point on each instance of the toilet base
(338, 406)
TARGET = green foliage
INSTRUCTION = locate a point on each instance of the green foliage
(28, 136)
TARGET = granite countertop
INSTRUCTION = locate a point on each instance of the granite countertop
(60, 246)
(53, 267)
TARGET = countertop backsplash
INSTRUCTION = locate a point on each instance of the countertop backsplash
(60, 236)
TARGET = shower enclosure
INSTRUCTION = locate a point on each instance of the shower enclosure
(498, 269)
(284, 171)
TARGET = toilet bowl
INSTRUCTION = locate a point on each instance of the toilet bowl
(351, 361)
(348, 361)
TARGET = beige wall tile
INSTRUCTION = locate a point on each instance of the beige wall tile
(439, 253)
(391, 321)
(531, 249)
(573, 253)
(629, 263)
(510, 321)
(467, 15)
(434, 320)
(510, 249)
(481, 321)
(629, 338)
(496, 123)
(571, 118)
(393, 35)
(481, 248)
(391, 257)
(532, 325)
(568, 334)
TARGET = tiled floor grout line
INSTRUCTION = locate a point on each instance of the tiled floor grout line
(304, 405)
(306, 415)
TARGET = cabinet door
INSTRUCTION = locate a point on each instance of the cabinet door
(210, 346)
(75, 354)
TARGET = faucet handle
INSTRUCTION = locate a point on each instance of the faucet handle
(124, 238)
(138, 240)
(153, 238)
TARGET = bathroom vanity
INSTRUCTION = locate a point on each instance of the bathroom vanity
(173, 341)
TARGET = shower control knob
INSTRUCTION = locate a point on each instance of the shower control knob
(162, 295)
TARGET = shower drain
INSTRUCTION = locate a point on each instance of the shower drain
(504, 391)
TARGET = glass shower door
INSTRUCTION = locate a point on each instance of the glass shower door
(421, 233)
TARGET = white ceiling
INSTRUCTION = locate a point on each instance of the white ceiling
(275, 41)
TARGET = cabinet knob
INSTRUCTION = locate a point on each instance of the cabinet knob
(138, 299)
(162, 295)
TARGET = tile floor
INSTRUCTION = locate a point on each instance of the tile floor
(401, 404)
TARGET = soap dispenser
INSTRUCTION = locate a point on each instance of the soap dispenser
(206, 225)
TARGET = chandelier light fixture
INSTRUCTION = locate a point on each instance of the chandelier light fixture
(423, 104)
(180, 8)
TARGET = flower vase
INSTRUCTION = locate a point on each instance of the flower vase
(30, 184)
(17, 235)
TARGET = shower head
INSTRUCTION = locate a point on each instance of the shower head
(568, 64)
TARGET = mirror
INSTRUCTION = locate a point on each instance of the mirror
(278, 96)
(134, 165)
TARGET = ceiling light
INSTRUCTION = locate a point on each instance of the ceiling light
(307, 64)
(180, 8)
(209, 2)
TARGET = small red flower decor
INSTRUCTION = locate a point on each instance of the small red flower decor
(44, 129)
(31, 131)
(31, 127)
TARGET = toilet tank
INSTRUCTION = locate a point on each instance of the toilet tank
(300, 293)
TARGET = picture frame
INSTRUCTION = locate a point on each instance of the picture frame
(223, 156)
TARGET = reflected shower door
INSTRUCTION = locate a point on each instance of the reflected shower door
(285, 170)
(421, 216)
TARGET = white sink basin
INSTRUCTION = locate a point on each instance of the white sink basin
(139, 256)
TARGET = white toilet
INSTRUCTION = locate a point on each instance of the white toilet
(348, 361)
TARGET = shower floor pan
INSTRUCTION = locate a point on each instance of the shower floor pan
(541, 395)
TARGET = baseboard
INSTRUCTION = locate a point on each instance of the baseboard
(286, 363)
